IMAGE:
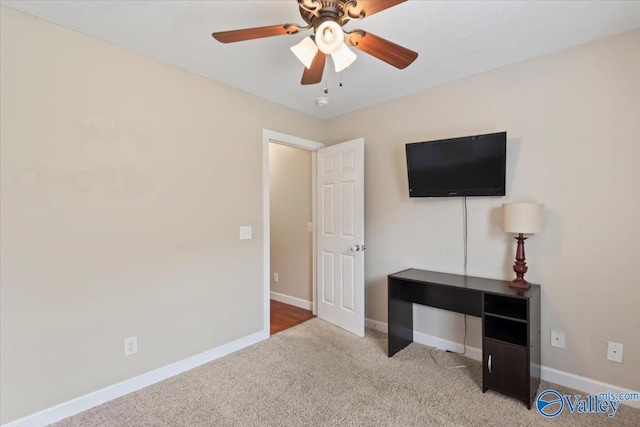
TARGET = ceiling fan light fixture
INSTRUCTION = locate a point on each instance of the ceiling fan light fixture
(329, 37)
(305, 51)
(343, 58)
(326, 18)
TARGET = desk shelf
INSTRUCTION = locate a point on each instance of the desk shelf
(510, 323)
(504, 329)
(511, 345)
(515, 308)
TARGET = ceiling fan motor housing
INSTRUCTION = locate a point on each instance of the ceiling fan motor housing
(315, 12)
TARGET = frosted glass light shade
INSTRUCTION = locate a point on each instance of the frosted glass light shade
(329, 37)
(343, 57)
(305, 51)
(526, 218)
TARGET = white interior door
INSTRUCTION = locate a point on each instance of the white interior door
(340, 207)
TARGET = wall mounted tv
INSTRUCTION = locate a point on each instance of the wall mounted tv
(466, 166)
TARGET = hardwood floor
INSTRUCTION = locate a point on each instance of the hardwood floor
(285, 316)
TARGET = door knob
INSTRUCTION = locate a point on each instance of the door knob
(355, 248)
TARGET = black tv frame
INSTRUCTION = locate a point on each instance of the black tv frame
(460, 192)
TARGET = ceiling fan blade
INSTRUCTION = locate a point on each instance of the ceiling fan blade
(363, 8)
(389, 52)
(255, 33)
(313, 74)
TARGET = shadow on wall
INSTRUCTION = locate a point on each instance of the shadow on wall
(375, 289)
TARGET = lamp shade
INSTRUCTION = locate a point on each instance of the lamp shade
(329, 37)
(342, 58)
(305, 51)
(526, 218)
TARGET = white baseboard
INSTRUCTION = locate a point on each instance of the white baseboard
(377, 326)
(587, 385)
(567, 379)
(88, 401)
(298, 302)
(430, 340)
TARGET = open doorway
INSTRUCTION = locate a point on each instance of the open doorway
(289, 230)
(291, 227)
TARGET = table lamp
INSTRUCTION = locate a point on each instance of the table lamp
(521, 218)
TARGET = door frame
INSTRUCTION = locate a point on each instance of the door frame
(269, 136)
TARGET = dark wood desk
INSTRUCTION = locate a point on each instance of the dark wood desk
(510, 323)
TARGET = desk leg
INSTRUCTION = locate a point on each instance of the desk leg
(400, 324)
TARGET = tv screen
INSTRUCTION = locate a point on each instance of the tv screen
(467, 166)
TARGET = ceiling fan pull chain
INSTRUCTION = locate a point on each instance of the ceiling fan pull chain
(326, 80)
(340, 78)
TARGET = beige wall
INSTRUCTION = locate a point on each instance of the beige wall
(290, 206)
(124, 183)
(573, 123)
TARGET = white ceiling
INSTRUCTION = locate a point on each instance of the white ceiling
(455, 39)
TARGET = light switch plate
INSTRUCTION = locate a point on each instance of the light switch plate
(245, 232)
(310, 226)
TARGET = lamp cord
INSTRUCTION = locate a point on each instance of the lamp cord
(464, 341)
(466, 239)
(465, 236)
(464, 206)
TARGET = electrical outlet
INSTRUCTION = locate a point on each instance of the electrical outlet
(245, 233)
(614, 351)
(557, 339)
(130, 346)
(275, 277)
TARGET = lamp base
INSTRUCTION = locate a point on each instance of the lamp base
(520, 267)
(519, 283)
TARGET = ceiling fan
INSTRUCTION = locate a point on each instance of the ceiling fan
(327, 17)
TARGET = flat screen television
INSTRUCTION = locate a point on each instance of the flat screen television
(466, 166)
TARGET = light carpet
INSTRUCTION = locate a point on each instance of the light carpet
(316, 374)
